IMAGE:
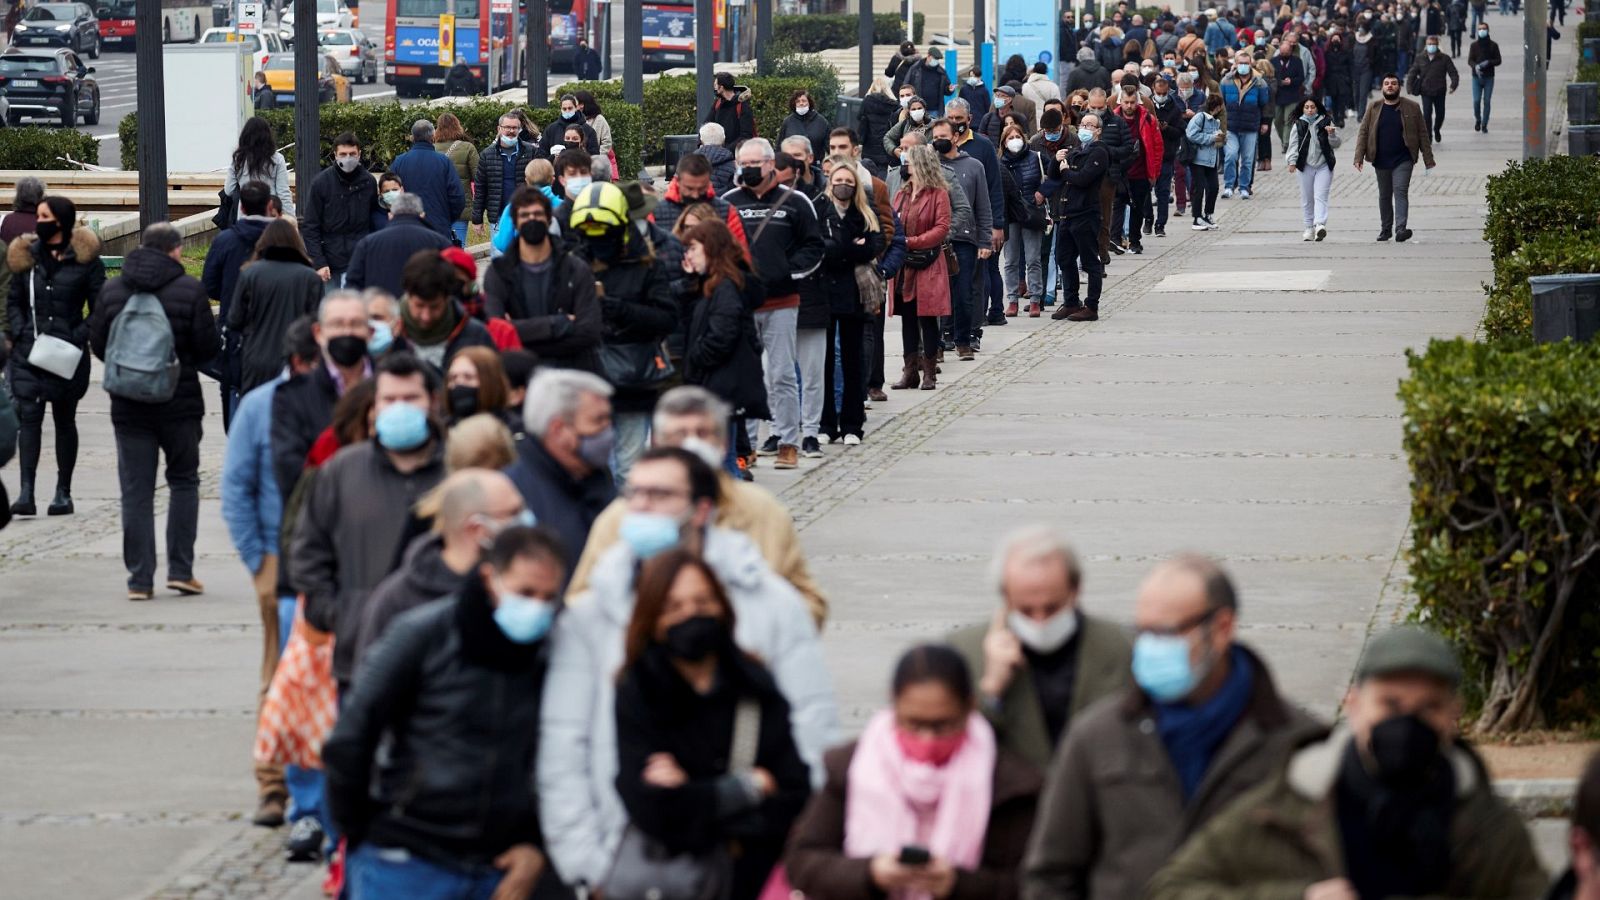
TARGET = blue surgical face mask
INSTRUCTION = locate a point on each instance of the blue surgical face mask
(1244, 68)
(508, 141)
(402, 427)
(523, 620)
(389, 197)
(1052, 136)
(1161, 667)
(648, 534)
(1433, 48)
(382, 337)
(1085, 136)
(595, 449)
(1483, 32)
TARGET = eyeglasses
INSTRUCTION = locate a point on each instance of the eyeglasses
(1185, 627)
(651, 493)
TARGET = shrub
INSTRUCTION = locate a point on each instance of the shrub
(1557, 195)
(1588, 72)
(1509, 312)
(1587, 30)
(42, 148)
(1504, 448)
(809, 34)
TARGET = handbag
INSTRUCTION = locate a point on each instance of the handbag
(227, 209)
(1186, 151)
(646, 870)
(50, 353)
(917, 260)
(301, 704)
(870, 287)
(637, 366)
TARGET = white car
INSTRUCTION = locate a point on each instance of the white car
(330, 14)
(356, 53)
(261, 45)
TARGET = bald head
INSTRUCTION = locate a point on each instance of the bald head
(470, 507)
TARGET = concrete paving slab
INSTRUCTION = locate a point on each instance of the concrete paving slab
(43, 861)
(1043, 432)
(1286, 396)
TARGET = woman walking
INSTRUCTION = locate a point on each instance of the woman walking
(852, 237)
(452, 140)
(1206, 131)
(1311, 144)
(257, 159)
(56, 278)
(277, 285)
(920, 292)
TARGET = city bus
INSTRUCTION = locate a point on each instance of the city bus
(181, 20)
(668, 34)
(413, 61)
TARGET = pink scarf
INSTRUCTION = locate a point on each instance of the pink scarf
(891, 801)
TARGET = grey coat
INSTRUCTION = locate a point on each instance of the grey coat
(974, 181)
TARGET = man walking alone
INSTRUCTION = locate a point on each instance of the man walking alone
(1393, 134)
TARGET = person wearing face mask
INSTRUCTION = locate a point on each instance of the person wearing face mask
(705, 753)
(1207, 133)
(302, 407)
(547, 292)
(1055, 133)
(732, 109)
(1041, 660)
(380, 257)
(1169, 115)
(926, 803)
(1336, 77)
(1427, 79)
(398, 769)
(994, 121)
(805, 121)
(672, 495)
(1247, 97)
(337, 211)
(1202, 724)
(853, 235)
(1311, 145)
(1289, 88)
(569, 115)
(1392, 803)
(499, 171)
(389, 188)
(475, 383)
(929, 80)
(1393, 136)
(977, 95)
(1083, 171)
(1483, 57)
(352, 522)
(1026, 218)
(915, 119)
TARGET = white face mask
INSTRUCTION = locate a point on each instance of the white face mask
(708, 452)
(801, 109)
(917, 114)
(1044, 637)
(1014, 145)
(905, 102)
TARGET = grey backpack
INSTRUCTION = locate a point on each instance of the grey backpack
(141, 363)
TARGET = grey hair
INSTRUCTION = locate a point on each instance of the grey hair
(30, 191)
(957, 105)
(1032, 543)
(161, 237)
(555, 394)
(422, 130)
(1085, 54)
(1186, 78)
(338, 296)
(712, 134)
(690, 400)
(406, 204)
(372, 295)
(925, 168)
(796, 140)
(762, 144)
(600, 168)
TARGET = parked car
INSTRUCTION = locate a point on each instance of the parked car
(49, 85)
(330, 14)
(70, 25)
(356, 53)
(262, 45)
(332, 86)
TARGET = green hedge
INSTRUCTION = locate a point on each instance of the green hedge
(41, 148)
(808, 34)
(1588, 73)
(1503, 442)
(1509, 311)
(1587, 30)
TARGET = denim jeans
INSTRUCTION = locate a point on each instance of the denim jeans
(305, 785)
(379, 873)
(1024, 252)
(776, 329)
(811, 349)
(961, 303)
(633, 435)
(1163, 190)
(1394, 188)
(138, 447)
(1239, 160)
(1482, 94)
(459, 229)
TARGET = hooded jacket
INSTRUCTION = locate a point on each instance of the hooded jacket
(577, 769)
(380, 256)
(878, 114)
(421, 579)
(723, 168)
(194, 331)
(272, 293)
(59, 294)
(542, 322)
(1087, 75)
(737, 117)
(338, 214)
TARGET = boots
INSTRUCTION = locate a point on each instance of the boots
(62, 504)
(908, 375)
(929, 374)
(25, 505)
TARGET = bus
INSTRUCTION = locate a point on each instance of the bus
(413, 33)
(180, 21)
(668, 35)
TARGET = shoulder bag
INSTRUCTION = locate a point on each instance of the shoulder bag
(50, 353)
(637, 366)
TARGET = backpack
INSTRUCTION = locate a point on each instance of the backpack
(141, 362)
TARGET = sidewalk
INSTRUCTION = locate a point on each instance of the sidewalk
(1210, 409)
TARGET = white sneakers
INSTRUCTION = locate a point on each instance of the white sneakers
(1305, 235)
(1321, 231)
(1227, 193)
(1199, 225)
(852, 440)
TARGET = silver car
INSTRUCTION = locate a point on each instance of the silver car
(356, 53)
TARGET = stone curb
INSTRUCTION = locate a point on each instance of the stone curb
(1538, 798)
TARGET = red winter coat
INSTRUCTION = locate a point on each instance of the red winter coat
(927, 224)
(1149, 134)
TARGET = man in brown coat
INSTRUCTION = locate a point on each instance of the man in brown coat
(1041, 660)
(1142, 770)
(1392, 136)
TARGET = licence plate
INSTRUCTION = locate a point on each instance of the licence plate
(435, 81)
(38, 40)
(24, 82)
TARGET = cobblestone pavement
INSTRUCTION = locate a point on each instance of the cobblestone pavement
(1207, 410)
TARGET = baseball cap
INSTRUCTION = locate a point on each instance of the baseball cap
(1409, 649)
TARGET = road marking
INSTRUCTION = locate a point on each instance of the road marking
(374, 94)
(105, 137)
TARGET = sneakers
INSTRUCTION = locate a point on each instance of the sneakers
(1136, 249)
(770, 448)
(1085, 314)
(810, 448)
(190, 588)
(1210, 220)
(852, 440)
(1244, 193)
(1306, 235)
(1401, 235)
(788, 457)
(1199, 225)
(269, 810)
(1161, 230)
(1148, 226)
(1321, 231)
(1011, 310)
(824, 439)
(1117, 247)
(305, 840)
(1227, 193)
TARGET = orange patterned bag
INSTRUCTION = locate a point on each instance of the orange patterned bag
(301, 703)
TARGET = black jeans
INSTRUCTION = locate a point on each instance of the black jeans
(30, 438)
(918, 334)
(1203, 189)
(1433, 112)
(1133, 197)
(872, 347)
(137, 446)
(1078, 246)
(1163, 189)
(852, 415)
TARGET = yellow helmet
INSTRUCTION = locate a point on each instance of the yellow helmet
(599, 208)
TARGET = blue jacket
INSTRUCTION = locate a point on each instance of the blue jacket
(1291, 68)
(430, 175)
(227, 256)
(1202, 133)
(1026, 171)
(894, 257)
(251, 504)
(504, 234)
(381, 255)
(1245, 112)
(1219, 34)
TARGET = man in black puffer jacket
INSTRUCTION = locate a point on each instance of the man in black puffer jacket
(173, 427)
(337, 211)
(500, 170)
(448, 799)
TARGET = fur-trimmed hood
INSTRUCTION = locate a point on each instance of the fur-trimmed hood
(23, 251)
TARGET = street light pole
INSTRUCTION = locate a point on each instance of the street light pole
(152, 100)
(1534, 67)
(864, 39)
(307, 87)
(633, 60)
(537, 27)
(705, 27)
(763, 36)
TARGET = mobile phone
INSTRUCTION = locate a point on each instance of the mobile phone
(912, 855)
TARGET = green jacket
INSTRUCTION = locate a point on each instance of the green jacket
(1104, 660)
(1284, 836)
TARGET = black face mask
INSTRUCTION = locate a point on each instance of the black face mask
(751, 176)
(960, 127)
(534, 231)
(905, 171)
(943, 146)
(346, 350)
(1404, 749)
(604, 249)
(463, 401)
(694, 639)
(47, 231)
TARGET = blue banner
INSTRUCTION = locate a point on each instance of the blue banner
(1028, 27)
(419, 44)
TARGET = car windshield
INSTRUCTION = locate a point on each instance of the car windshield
(226, 37)
(281, 61)
(327, 7)
(28, 65)
(335, 38)
(52, 12)
(121, 9)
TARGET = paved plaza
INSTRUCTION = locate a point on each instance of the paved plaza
(1237, 398)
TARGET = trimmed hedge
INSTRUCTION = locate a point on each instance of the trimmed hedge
(1588, 73)
(1541, 217)
(1504, 447)
(809, 34)
(42, 148)
(1509, 313)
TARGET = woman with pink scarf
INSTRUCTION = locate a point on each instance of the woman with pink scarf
(924, 805)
